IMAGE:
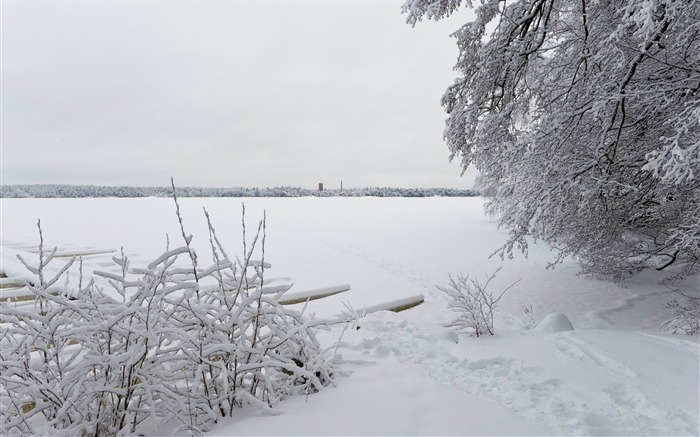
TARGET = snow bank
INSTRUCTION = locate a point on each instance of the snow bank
(554, 322)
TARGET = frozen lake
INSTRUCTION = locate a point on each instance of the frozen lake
(385, 248)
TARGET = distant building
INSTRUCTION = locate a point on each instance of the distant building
(320, 186)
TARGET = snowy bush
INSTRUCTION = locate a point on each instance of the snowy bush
(529, 322)
(166, 344)
(685, 316)
(473, 303)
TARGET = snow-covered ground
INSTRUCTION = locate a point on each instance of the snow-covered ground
(614, 374)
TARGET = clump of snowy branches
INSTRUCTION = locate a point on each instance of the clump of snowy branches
(473, 302)
(685, 315)
(529, 317)
(166, 344)
(583, 119)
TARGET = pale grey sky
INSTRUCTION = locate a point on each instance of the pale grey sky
(225, 94)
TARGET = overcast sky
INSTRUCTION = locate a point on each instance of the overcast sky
(225, 94)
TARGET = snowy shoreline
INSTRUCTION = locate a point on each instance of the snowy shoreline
(614, 374)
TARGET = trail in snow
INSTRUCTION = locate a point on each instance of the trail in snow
(530, 387)
(399, 271)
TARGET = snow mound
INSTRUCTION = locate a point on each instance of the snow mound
(555, 322)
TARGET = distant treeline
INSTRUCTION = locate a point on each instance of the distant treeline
(74, 191)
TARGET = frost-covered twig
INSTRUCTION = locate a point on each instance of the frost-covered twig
(473, 303)
(685, 315)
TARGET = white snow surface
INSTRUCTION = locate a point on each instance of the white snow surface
(555, 322)
(615, 374)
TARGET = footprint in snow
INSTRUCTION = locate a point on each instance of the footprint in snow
(581, 351)
(500, 379)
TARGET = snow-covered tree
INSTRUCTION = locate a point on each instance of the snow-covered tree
(583, 117)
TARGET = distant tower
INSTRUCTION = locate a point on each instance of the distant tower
(341, 186)
(320, 186)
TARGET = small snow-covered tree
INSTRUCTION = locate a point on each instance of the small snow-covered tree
(473, 302)
(685, 315)
(583, 118)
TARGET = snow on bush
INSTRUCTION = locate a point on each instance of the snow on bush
(529, 322)
(187, 345)
(685, 315)
(473, 303)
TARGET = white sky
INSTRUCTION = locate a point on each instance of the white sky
(225, 94)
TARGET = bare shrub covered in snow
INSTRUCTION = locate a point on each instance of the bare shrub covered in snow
(166, 344)
(685, 315)
(473, 303)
